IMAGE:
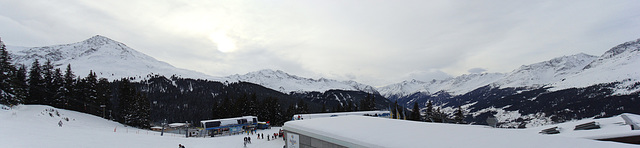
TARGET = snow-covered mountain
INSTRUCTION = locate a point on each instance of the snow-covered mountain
(113, 60)
(458, 85)
(284, 82)
(561, 89)
(562, 72)
(106, 57)
(619, 64)
(547, 72)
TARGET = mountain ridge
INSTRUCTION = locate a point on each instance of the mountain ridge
(115, 59)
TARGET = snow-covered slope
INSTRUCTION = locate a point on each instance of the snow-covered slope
(546, 72)
(284, 82)
(35, 126)
(609, 127)
(108, 58)
(456, 86)
(619, 64)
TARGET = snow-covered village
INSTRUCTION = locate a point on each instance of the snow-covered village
(319, 74)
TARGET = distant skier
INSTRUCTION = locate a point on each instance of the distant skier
(249, 139)
(180, 146)
(245, 141)
(60, 123)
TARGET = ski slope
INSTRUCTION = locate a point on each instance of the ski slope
(35, 126)
(31, 126)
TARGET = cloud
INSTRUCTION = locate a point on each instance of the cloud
(427, 75)
(476, 70)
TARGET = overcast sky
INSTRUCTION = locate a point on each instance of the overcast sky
(369, 41)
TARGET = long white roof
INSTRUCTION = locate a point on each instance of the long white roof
(363, 131)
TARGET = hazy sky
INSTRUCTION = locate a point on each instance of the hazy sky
(369, 41)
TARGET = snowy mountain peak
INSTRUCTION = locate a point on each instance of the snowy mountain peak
(107, 57)
(287, 83)
(457, 85)
(631, 48)
(99, 40)
(546, 72)
(618, 64)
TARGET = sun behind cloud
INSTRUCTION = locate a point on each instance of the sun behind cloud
(224, 43)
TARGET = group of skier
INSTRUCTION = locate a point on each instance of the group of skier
(247, 140)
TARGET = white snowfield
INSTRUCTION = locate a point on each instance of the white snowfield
(609, 128)
(31, 126)
(381, 132)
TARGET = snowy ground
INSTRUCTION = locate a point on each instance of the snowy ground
(381, 132)
(35, 126)
(31, 126)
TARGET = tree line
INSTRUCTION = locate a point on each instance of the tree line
(435, 115)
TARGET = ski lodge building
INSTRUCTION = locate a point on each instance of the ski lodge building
(366, 131)
(383, 114)
(228, 126)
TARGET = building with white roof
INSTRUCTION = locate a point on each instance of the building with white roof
(364, 131)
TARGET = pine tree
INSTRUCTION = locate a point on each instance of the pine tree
(225, 108)
(68, 88)
(459, 116)
(7, 71)
(20, 85)
(415, 113)
(36, 83)
(394, 110)
(301, 107)
(241, 106)
(429, 111)
(56, 89)
(126, 94)
(134, 108)
(90, 94)
(252, 105)
(142, 113)
(324, 108)
(49, 86)
(291, 110)
(215, 111)
(271, 111)
(103, 89)
(349, 107)
(372, 102)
